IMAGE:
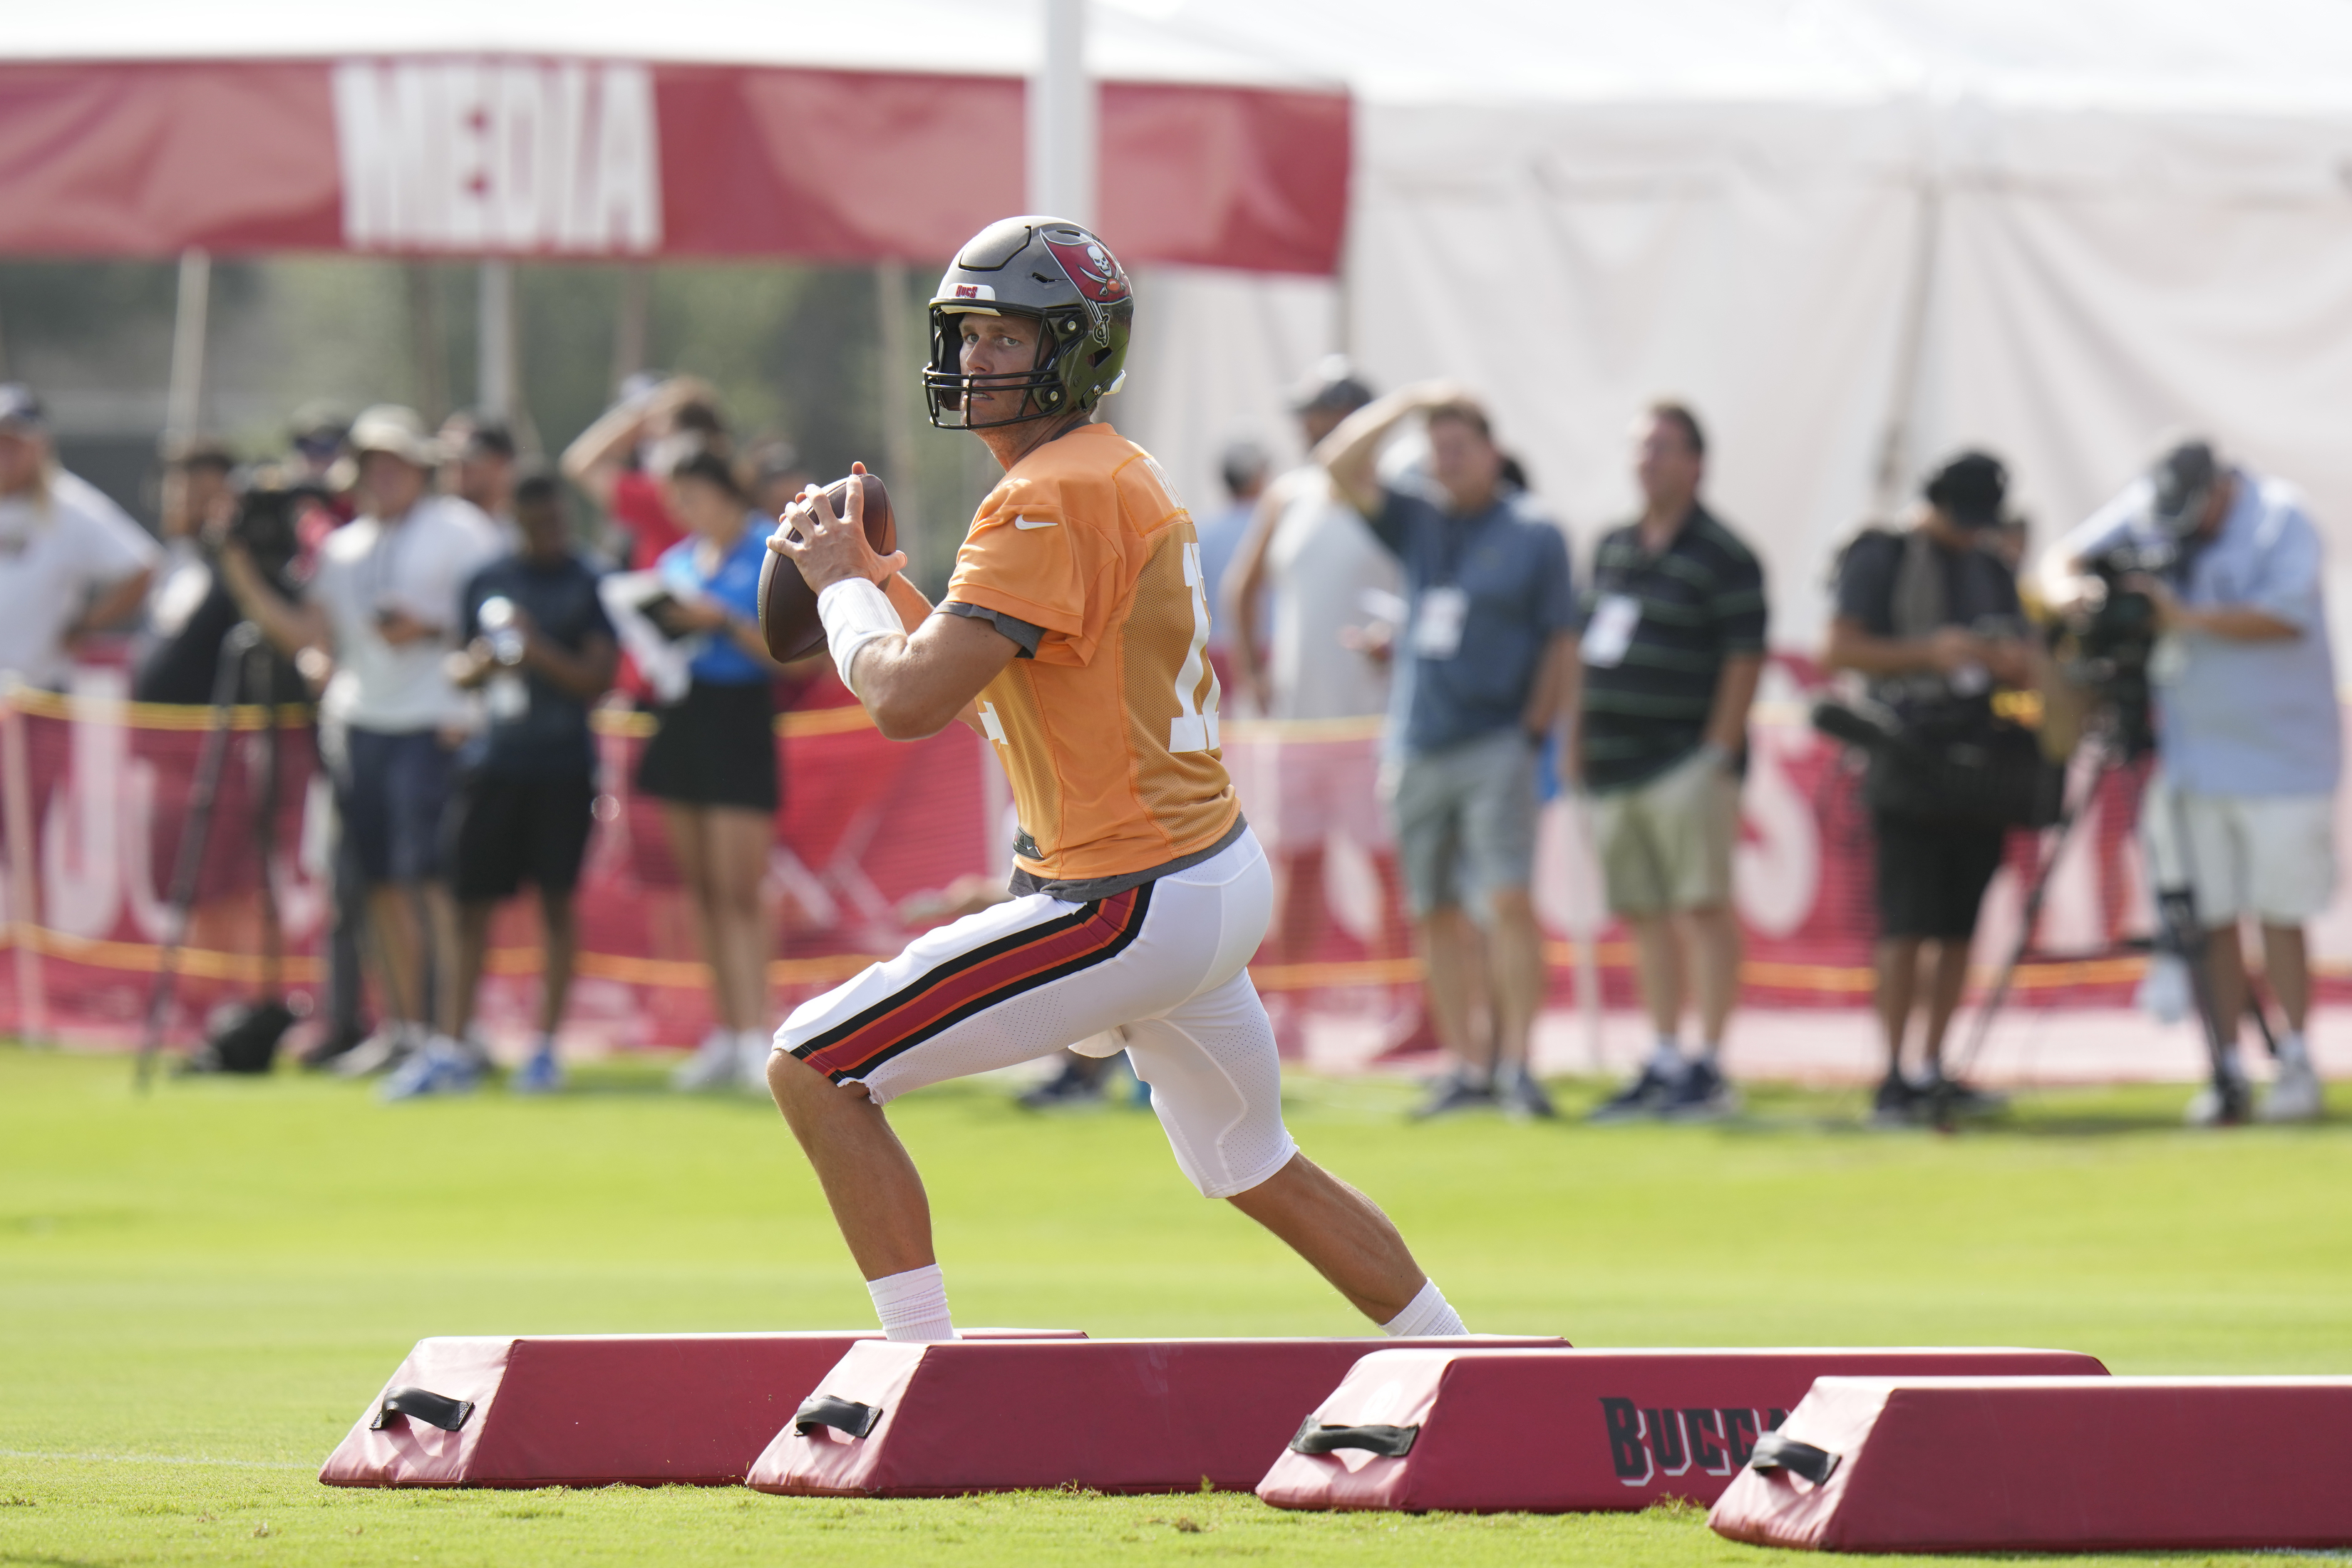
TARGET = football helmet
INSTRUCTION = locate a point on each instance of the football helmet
(1056, 272)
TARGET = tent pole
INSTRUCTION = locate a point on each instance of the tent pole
(890, 390)
(1061, 119)
(494, 339)
(1895, 457)
(630, 322)
(183, 408)
(429, 350)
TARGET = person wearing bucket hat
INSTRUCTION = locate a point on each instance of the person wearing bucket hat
(1930, 615)
(382, 606)
(71, 561)
(2249, 735)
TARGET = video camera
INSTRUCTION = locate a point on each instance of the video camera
(2114, 639)
(265, 525)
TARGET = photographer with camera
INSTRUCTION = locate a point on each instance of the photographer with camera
(2240, 819)
(1930, 615)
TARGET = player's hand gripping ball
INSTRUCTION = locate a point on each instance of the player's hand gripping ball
(788, 616)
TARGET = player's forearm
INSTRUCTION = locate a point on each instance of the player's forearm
(1850, 648)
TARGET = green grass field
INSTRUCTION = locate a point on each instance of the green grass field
(199, 1290)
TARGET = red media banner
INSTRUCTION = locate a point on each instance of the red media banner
(539, 157)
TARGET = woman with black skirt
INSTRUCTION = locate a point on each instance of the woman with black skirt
(712, 759)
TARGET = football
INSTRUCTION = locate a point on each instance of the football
(787, 609)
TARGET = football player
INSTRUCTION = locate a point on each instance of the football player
(1073, 637)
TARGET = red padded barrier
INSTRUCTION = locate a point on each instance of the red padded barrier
(1117, 1416)
(2059, 1465)
(1553, 1431)
(591, 1410)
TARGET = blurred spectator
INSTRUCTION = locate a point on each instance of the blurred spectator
(320, 459)
(1301, 602)
(1483, 677)
(625, 458)
(191, 611)
(541, 650)
(381, 606)
(1930, 615)
(1673, 648)
(71, 561)
(197, 497)
(713, 759)
(2247, 731)
(1243, 469)
(774, 476)
(479, 465)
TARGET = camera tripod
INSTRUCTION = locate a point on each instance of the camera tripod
(250, 1043)
(2179, 933)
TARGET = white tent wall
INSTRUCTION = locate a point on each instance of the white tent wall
(2103, 282)
(2097, 279)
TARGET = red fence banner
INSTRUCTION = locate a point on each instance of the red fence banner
(876, 840)
(529, 156)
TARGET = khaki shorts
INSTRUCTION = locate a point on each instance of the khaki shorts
(1667, 845)
(2272, 857)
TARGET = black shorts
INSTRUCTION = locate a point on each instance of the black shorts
(1932, 875)
(505, 831)
(715, 746)
(391, 793)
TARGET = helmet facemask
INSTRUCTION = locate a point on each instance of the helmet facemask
(1062, 337)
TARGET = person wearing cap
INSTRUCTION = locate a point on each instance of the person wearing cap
(1485, 673)
(1930, 615)
(1307, 643)
(1671, 652)
(71, 561)
(383, 607)
(2249, 734)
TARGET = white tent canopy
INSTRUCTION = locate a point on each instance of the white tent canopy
(1855, 233)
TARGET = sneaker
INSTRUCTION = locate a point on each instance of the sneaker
(1701, 1094)
(541, 1075)
(1455, 1092)
(1079, 1082)
(2294, 1095)
(329, 1049)
(2222, 1105)
(1645, 1096)
(441, 1065)
(716, 1064)
(1521, 1096)
(391, 1044)
(751, 1049)
(1899, 1102)
(1945, 1098)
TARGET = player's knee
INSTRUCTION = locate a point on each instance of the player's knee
(794, 1084)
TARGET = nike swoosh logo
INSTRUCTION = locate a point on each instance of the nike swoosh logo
(1028, 523)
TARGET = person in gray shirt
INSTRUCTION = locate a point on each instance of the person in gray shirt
(2243, 810)
(1485, 673)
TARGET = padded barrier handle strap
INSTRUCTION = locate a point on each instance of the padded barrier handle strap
(1392, 1442)
(421, 1405)
(1776, 1452)
(841, 1415)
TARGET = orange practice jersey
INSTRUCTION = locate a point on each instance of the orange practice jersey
(1109, 734)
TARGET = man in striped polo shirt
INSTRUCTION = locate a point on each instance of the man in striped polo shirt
(1673, 647)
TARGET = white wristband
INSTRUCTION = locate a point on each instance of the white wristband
(855, 613)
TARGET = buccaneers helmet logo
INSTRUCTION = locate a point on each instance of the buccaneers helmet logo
(1092, 269)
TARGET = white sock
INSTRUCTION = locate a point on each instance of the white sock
(1426, 1316)
(914, 1305)
(1667, 1056)
(2292, 1050)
